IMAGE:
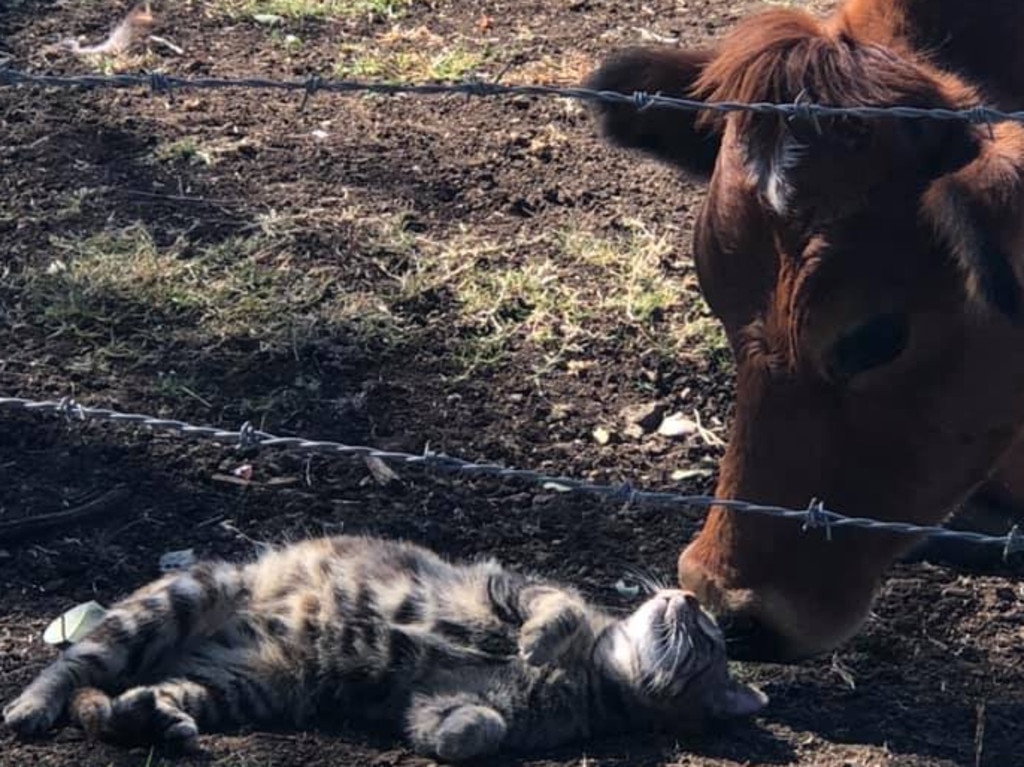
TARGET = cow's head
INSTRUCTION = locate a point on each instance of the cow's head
(866, 272)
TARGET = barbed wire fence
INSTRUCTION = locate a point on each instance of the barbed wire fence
(815, 516)
(167, 84)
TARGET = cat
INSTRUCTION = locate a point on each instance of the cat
(468, 659)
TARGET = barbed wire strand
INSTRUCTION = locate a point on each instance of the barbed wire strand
(815, 516)
(163, 83)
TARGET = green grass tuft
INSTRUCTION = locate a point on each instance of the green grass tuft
(317, 9)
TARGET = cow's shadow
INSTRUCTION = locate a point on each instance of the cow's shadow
(950, 722)
(985, 514)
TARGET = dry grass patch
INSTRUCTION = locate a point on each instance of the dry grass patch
(553, 291)
(568, 68)
(202, 151)
(317, 9)
(118, 292)
(413, 55)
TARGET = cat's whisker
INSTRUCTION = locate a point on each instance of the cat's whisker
(649, 582)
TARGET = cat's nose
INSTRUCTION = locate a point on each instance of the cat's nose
(691, 600)
(680, 604)
(688, 598)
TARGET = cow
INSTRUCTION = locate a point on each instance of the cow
(867, 272)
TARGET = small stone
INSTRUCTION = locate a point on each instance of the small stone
(677, 425)
(381, 472)
(601, 435)
(646, 415)
(561, 410)
(556, 487)
(627, 590)
(177, 560)
(1006, 594)
(634, 431)
(682, 474)
(579, 367)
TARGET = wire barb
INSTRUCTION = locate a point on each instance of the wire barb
(803, 111)
(313, 84)
(817, 517)
(479, 88)
(161, 83)
(642, 101)
(625, 494)
(1014, 543)
(70, 410)
(248, 436)
(981, 115)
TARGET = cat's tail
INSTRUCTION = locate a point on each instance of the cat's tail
(139, 633)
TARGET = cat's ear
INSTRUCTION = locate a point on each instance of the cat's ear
(735, 699)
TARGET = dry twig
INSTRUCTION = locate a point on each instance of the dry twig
(19, 529)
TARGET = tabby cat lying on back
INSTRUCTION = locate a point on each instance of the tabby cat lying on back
(466, 659)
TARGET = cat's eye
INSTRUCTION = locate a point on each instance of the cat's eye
(876, 342)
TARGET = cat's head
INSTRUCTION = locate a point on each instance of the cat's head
(670, 656)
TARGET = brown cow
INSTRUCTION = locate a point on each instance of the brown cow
(867, 272)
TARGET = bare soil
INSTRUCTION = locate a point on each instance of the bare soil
(935, 678)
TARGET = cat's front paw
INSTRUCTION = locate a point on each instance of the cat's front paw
(32, 713)
(546, 637)
(469, 732)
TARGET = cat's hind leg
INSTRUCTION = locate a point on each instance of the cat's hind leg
(454, 727)
(143, 715)
(213, 687)
(138, 633)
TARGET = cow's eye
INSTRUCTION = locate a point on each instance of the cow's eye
(872, 344)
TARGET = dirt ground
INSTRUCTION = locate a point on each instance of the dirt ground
(405, 273)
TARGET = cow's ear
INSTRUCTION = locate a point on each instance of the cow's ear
(668, 134)
(978, 213)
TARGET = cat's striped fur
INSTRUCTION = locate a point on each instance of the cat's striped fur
(467, 659)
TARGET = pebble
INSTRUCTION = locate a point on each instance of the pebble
(646, 416)
(677, 425)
